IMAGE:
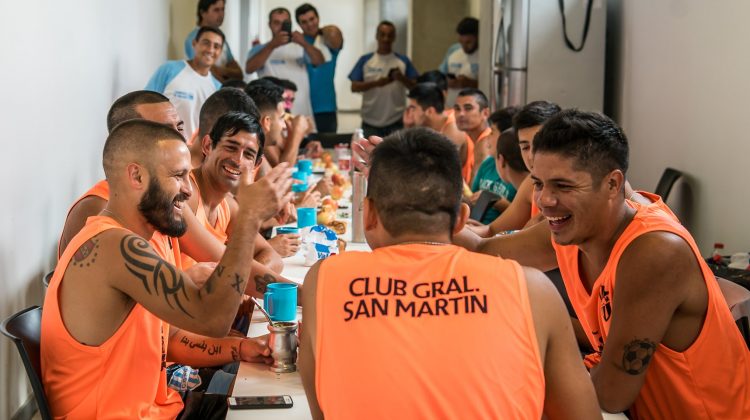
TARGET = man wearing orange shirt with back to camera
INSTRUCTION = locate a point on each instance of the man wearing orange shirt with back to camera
(417, 315)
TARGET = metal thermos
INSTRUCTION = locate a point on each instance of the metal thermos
(359, 189)
(283, 344)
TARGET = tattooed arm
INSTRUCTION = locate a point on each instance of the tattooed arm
(659, 298)
(200, 351)
(171, 295)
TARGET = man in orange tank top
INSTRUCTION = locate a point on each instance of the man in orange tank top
(472, 111)
(425, 108)
(404, 331)
(112, 300)
(234, 146)
(650, 306)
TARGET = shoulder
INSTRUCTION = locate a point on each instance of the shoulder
(452, 49)
(403, 58)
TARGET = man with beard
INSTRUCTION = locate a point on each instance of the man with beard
(187, 83)
(113, 301)
(461, 61)
(234, 146)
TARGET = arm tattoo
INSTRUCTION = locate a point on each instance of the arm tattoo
(238, 284)
(202, 346)
(208, 287)
(636, 356)
(261, 282)
(88, 249)
(151, 269)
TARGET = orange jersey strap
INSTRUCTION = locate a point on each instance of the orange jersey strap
(124, 377)
(696, 383)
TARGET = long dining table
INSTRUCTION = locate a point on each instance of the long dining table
(256, 379)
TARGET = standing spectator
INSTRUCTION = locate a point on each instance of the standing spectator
(383, 77)
(461, 62)
(329, 41)
(187, 84)
(211, 13)
(284, 57)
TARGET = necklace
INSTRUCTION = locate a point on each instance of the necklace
(423, 243)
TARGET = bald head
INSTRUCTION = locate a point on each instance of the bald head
(135, 141)
(126, 107)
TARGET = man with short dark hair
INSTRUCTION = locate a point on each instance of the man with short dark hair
(115, 305)
(188, 83)
(211, 13)
(329, 41)
(461, 61)
(284, 57)
(416, 316)
(471, 111)
(425, 109)
(654, 326)
(383, 77)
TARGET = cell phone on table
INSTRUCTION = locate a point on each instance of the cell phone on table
(261, 402)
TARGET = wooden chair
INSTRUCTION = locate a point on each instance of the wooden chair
(738, 299)
(25, 328)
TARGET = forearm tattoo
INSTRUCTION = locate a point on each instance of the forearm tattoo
(262, 281)
(154, 272)
(212, 349)
(636, 356)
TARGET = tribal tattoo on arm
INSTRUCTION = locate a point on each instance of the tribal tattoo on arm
(636, 356)
(157, 275)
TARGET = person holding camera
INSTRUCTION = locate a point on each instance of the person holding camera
(383, 77)
(283, 57)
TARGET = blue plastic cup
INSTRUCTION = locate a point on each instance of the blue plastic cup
(305, 165)
(280, 301)
(306, 216)
(283, 230)
(299, 188)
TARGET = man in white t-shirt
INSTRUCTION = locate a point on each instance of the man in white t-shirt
(283, 57)
(211, 13)
(188, 84)
(383, 77)
(461, 62)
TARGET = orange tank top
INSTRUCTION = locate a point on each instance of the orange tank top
(422, 331)
(219, 229)
(534, 208)
(697, 383)
(167, 247)
(124, 377)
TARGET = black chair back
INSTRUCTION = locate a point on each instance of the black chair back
(485, 200)
(666, 182)
(25, 328)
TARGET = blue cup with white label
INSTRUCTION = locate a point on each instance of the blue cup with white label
(280, 301)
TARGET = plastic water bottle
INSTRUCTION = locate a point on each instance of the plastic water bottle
(359, 189)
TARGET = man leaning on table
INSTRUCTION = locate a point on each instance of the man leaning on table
(404, 331)
(112, 303)
(666, 345)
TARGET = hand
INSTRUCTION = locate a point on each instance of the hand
(474, 197)
(262, 199)
(298, 38)
(281, 38)
(200, 272)
(310, 199)
(324, 187)
(256, 350)
(361, 151)
(286, 215)
(314, 148)
(300, 124)
(285, 245)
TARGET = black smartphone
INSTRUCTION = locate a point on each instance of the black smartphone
(273, 401)
(286, 26)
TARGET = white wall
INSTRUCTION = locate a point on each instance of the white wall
(63, 64)
(683, 94)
